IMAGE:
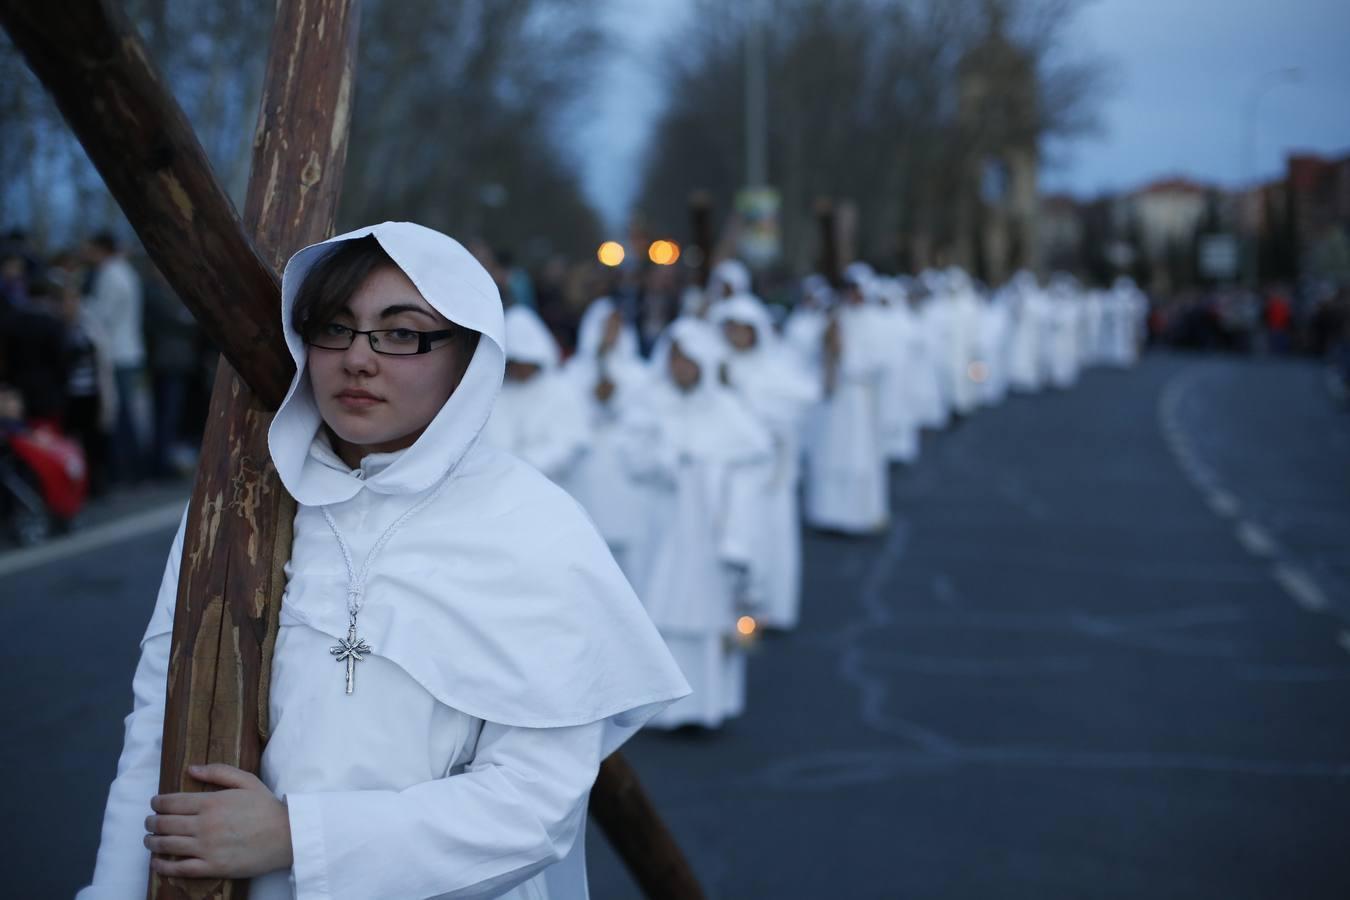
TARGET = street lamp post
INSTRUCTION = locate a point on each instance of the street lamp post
(1263, 85)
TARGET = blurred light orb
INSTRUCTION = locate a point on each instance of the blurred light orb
(746, 625)
(663, 253)
(978, 372)
(610, 253)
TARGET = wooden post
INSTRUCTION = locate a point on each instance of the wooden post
(700, 217)
(830, 265)
(623, 811)
(90, 59)
(240, 518)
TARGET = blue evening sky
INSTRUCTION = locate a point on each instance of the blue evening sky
(1185, 73)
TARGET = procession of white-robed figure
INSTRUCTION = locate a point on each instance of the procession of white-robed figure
(700, 463)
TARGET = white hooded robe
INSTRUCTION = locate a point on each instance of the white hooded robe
(847, 486)
(598, 480)
(509, 656)
(540, 420)
(780, 390)
(701, 459)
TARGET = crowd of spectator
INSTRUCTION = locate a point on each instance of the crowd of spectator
(97, 344)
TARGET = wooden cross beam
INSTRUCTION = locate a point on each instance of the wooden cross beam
(239, 520)
(700, 219)
(830, 264)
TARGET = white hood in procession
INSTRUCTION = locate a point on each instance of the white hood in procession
(499, 598)
(459, 288)
(528, 340)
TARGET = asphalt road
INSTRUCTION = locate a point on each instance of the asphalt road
(1104, 651)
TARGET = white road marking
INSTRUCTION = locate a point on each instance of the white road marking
(114, 532)
(1299, 585)
(1222, 502)
(1255, 539)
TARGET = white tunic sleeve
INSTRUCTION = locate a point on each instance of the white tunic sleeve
(123, 865)
(515, 809)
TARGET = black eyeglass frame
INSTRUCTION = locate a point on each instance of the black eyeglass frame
(424, 339)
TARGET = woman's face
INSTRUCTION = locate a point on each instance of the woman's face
(683, 370)
(375, 403)
(740, 335)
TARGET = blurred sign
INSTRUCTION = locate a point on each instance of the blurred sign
(758, 212)
(1219, 256)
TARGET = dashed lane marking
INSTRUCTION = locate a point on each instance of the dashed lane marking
(1255, 539)
(1222, 502)
(1299, 585)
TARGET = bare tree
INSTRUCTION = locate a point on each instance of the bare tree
(865, 105)
(456, 122)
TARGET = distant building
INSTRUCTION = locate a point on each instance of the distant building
(1167, 212)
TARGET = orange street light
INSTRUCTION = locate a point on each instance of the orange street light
(663, 253)
(610, 253)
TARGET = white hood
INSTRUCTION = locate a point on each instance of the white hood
(499, 598)
(460, 289)
(733, 273)
(528, 339)
(708, 421)
(592, 330)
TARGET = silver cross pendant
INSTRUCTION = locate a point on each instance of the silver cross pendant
(349, 651)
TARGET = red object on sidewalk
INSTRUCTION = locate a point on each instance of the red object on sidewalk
(59, 465)
(1278, 313)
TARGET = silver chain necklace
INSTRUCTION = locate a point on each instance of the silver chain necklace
(352, 650)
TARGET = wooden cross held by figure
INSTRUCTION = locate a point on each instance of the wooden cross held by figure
(238, 537)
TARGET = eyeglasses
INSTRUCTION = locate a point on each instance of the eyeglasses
(385, 341)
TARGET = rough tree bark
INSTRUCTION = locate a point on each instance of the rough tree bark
(240, 518)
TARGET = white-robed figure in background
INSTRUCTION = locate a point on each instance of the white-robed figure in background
(925, 348)
(607, 373)
(457, 649)
(847, 486)
(727, 278)
(1028, 332)
(780, 391)
(701, 458)
(538, 415)
(1060, 349)
(962, 340)
(991, 373)
(1124, 320)
(804, 330)
(898, 392)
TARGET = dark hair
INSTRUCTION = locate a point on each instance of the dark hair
(105, 240)
(331, 282)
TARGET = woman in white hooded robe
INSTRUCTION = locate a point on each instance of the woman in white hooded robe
(903, 382)
(847, 486)
(780, 391)
(995, 349)
(701, 459)
(1028, 310)
(538, 415)
(494, 652)
(1060, 347)
(962, 340)
(606, 373)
